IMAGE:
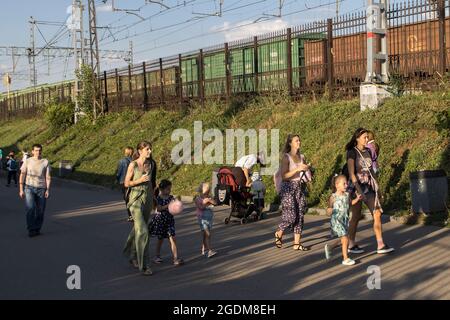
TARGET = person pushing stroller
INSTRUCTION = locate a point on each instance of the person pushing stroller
(242, 169)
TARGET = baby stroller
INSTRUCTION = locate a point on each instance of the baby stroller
(239, 198)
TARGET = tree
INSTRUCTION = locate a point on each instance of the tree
(85, 77)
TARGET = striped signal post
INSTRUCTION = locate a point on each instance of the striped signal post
(377, 31)
(373, 91)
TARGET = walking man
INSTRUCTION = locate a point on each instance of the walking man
(122, 168)
(34, 186)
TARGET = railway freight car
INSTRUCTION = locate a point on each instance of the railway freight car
(127, 86)
(413, 50)
(272, 64)
(272, 68)
(215, 74)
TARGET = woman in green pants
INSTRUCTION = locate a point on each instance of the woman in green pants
(140, 201)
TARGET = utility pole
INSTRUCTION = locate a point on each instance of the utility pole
(337, 8)
(131, 52)
(373, 90)
(32, 54)
(7, 82)
(32, 59)
(97, 101)
(78, 49)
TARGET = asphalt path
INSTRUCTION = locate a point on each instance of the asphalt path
(86, 226)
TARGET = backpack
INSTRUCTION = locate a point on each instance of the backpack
(12, 164)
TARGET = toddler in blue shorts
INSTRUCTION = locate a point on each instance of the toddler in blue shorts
(205, 216)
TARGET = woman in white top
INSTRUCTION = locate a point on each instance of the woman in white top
(293, 199)
(244, 165)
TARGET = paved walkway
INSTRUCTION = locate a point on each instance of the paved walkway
(87, 227)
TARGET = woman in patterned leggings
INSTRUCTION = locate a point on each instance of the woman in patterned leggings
(293, 199)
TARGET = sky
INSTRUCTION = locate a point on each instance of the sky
(155, 30)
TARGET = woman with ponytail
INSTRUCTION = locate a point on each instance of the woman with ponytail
(362, 181)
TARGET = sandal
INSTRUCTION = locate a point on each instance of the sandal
(178, 262)
(278, 241)
(300, 247)
(134, 263)
(147, 271)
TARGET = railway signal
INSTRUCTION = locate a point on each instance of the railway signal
(373, 91)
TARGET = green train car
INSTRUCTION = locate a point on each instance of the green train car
(272, 58)
(190, 70)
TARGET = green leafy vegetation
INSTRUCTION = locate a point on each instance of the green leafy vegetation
(412, 131)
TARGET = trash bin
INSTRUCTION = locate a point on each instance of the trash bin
(429, 191)
(65, 168)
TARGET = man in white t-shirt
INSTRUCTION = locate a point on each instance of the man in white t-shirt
(242, 168)
(34, 186)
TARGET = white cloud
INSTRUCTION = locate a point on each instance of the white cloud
(248, 29)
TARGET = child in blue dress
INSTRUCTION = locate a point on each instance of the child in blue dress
(163, 223)
(338, 208)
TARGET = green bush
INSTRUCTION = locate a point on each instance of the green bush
(59, 116)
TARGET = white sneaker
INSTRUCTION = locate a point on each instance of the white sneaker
(211, 253)
(348, 262)
(385, 249)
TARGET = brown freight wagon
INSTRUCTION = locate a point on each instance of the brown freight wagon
(169, 81)
(315, 62)
(413, 50)
(349, 59)
(153, 82)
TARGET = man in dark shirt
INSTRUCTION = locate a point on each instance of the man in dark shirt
(121, 173)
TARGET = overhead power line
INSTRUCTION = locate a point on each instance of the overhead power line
(234, 27)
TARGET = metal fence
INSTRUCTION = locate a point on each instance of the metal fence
(324, 55)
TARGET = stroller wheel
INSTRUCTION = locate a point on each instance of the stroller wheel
(226, 220)
(243, 221)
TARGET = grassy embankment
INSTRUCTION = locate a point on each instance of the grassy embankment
(412, 131)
